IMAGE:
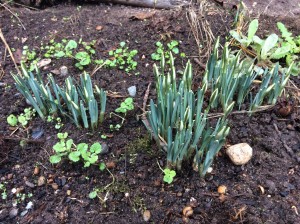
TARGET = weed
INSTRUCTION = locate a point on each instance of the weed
(23, 118)
(125, 106)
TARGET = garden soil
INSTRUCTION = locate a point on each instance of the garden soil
(265, 190)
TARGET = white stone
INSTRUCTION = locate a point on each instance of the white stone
(63, 70)
(240, 153)
(132, 91)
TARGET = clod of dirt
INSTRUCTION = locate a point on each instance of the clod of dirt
(3, 214)
(29, 184)
(54, 186)
(9, 176)
(36, 170)
(105, 149)
(240, 153)
(13, 212)
(44, 62)
(63, 70)
(187, 211)
(41, 181)
(146, 215)
(222, 189)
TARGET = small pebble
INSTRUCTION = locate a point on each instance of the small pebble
(187, 211)
(132, 91)
(63, 70)
(9, 176)
(29, 184)
(24, 213)
(68, 192)
(146, 215)
(13, 212)
(240, 153)
(222, 189)
(105, 149)
(55, 186)
(29, 205)
(41, 181)
(36, 170)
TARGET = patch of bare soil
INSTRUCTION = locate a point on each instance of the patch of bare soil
(266, 190)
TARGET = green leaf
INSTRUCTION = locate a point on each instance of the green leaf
(96, 148)
(269, 43)
(175, 50)
(122, 44)
(55, 159)
(82, 147)
(60, 147)
(71, 45)
(12, 120)
(93, 194)
(74, 156)
(102, 166)
(253, 26)
(280, 52)
(59, 54)
(69, 144)
(93, 159)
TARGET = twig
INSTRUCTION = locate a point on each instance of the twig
(10, 52)
(259, 109)
(7, 8)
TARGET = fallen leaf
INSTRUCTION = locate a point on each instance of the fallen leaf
(18, 56)
(44, 62)
(142, 15)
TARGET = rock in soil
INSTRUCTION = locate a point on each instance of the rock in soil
(13, 212)
(3, 214)
(41, 181)
(146, 215)
(29, 184)
(240, 153)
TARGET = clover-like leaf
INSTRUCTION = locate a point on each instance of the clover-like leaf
(74, 156)
(12, 120)
(55, 159)
(96, 148)
(60, 147)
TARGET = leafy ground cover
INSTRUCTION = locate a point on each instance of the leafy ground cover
(129, 182)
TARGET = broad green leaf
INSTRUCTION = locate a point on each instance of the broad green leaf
(82, 147)
(71, 45)
(87, 164)
(269, 43)
(55, 159)
(59, 54)
(122, 44)
(96, 148)
(74, 156)
(69, 144)
(12, 120)
(60, 147)
(93, 159)
(253, 26)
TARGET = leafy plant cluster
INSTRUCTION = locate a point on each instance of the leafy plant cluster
(273, 48)
(66, 148)
(121, 58)
(178, 120)
(82, 103)
(172, 46)
(23, 118)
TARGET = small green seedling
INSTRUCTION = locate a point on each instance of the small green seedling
(12, 120)
(172, 46)
(3, 189)
(23, 118)
(66, 147)
(125, 106)
(169, 175)
(122, 57)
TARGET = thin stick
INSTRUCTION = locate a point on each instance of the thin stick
(10, 52)
(7, 8)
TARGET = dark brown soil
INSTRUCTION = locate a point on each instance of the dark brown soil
(266, 190)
